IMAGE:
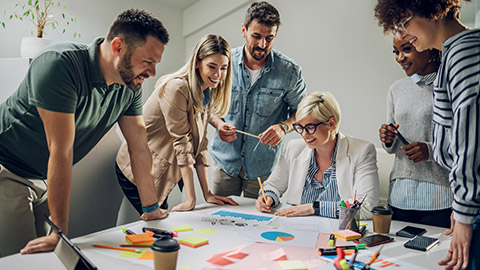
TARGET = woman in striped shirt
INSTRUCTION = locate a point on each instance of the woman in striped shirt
(456, 112)
(323, 168)
(419, 188)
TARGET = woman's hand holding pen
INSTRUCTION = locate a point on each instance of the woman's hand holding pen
(263, 206)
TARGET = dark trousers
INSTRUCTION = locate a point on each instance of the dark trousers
(440, 218)
(131, 191)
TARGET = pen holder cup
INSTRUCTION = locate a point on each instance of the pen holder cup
(346, 218)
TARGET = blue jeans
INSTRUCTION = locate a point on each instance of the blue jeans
(131, 191)
(474, 262)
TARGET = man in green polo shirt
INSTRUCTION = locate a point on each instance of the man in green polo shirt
(71, 96)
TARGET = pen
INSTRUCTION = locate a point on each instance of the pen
(333, 251)
(117, 248)
(127, 231)
(352, 261)
(357, 246)
(159, 232)
(263, 191)
(331, 241)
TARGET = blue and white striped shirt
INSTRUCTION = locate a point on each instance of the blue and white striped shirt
(456, 121)
(326, 193)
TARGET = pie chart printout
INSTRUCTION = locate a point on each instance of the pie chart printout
(277, 236)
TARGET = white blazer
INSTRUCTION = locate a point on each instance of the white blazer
(356, 169)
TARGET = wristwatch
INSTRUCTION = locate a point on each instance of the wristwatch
(316, 208)
(285, 127)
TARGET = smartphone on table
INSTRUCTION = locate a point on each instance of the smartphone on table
(373, 240)
(411, 231)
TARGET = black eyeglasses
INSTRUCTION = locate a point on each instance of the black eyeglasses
(310, 128)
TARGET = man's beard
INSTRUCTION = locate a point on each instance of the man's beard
(258, 57)
(126, 73)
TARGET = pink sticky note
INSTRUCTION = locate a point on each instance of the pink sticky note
(219, 260)
(276, 255)
(237, 255)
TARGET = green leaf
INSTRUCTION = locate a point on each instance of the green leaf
(29, 2)
(75, 35)
(3, 24)
(63, 32)
(63, 16)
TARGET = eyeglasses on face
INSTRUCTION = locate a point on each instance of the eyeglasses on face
(400, 28)
(310, 128)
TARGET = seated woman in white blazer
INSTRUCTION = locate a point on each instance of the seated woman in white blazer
(323, 168)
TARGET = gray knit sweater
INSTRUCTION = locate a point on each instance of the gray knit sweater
(411, 106)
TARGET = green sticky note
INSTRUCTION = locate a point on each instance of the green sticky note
(182, 228)
(130, 254)
(292, 265)
(206, 231)
(193, 241)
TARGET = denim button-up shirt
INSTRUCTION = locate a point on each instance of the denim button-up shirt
(273, 98)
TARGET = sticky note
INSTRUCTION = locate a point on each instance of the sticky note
(182, 228)
(147, 256)
(206, 231)
(347, 235)
(139, 239)
(292, 265)
(130, 254)
(193, 241)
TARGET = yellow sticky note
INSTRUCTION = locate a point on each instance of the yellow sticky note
(130, 254)
(182, 228)
(292, 265)
(206, 231)
(193, 241)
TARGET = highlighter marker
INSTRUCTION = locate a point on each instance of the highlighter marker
(160, 231)
(127, 231)
(331, 242)
(333, 251)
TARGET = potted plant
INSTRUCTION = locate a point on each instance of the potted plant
(42, 14)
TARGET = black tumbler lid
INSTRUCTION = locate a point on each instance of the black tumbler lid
(165, 244)
(382, 210)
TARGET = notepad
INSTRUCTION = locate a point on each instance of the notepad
(139, 239)
(182, 228)
(347, 235)
(292, 265)
(193, 241)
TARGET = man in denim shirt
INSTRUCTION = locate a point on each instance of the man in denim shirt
(266, 89)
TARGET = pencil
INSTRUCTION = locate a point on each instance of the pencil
(117, 248)
(363, 199)
(263, 191)
(375, 256)
(248, 134)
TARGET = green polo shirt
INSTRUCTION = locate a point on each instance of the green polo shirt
(63, 78)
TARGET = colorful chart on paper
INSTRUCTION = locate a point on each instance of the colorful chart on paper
(277, 236)
(244, 216)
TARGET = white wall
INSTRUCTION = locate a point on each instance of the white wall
(96, 196)
(340, 48)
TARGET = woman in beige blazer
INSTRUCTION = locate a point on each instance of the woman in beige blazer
(324, 167)
(176, 118)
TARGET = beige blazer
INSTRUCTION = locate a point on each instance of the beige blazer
(356, 169)
(176, 136)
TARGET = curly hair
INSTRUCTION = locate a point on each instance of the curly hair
(391, 12)
(264, 12)
(134, 25)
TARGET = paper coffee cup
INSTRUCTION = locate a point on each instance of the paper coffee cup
(165, 253)
(382, 217)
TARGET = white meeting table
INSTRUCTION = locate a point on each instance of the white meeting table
(224, 240)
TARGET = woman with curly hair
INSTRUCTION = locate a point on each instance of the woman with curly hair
(419, 189)
(456, 113)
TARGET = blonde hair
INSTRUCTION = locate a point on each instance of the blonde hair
(321, 106)
(208, 45)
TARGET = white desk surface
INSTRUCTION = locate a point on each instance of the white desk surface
(224, 240)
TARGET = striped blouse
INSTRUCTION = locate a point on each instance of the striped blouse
(456, 122)
(326, 193)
